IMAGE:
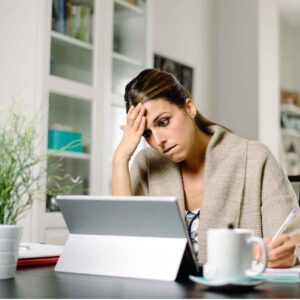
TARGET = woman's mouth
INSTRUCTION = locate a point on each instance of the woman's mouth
(169, 149)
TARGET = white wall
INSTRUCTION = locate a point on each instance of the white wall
(21, 74)
(268, 76)
(181, 32)
(236, 104)
(289, 55)
(246, 69)
(287, 76)
(18, 53)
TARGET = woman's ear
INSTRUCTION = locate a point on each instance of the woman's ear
(190, 107)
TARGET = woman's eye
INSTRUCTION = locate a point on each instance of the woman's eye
(164, 122)
(147, 133)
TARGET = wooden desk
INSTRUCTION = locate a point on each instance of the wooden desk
(44, 282)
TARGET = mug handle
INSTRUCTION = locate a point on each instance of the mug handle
(259, 268)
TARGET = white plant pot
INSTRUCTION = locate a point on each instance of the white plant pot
(10, 237)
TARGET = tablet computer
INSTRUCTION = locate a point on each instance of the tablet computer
(144, 235)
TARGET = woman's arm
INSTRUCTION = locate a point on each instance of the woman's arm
(121, 184)
(133, 131)
(278, 200)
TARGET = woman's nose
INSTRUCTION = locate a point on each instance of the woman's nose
(158, 139)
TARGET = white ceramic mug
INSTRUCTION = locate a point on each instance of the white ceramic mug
(229, 255)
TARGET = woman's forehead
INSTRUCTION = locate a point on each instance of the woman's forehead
(160, 103)
(156, 108)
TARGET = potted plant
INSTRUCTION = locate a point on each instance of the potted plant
(23, 176)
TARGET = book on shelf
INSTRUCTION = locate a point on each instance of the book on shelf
(69, 13)
(74, 20)
(85, 12)
(59, 6)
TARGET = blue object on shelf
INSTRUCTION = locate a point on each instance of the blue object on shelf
(60, 15)
(59, 139)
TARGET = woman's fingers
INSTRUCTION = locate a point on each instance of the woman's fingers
(280, 240)
(285, 249)
(283, 262)
(132, 114)
(141, 129)
(129, 113)
(138, 119)
(281, 251)
(134, 119)
(132, 133)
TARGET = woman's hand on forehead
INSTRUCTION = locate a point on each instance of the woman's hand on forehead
(132, 132)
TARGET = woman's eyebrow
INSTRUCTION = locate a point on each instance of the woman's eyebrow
(157, 117)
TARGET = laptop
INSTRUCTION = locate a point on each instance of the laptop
(136, 236)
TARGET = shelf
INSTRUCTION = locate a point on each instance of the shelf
(292, 156)
(69, 154)
(70, 40)
(290, 132)
(122, 74)
(290, 109)
(70, 88)
(127, 59)
(128, 10)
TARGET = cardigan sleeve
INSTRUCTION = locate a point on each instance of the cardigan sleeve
(139, 175)
(277, 198)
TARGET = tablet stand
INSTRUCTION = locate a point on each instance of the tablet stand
(136, 257)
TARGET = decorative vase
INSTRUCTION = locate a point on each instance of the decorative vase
(10, 238)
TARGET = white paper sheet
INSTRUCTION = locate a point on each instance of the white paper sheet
(33, 250)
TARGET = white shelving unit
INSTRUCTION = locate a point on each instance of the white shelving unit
(129, 8)
(126, 59)
(290, 132)
(290, 109)
(67, 40)
(78, 85)
(72, 90)
(130, 55)
(69, 88)
(289, 42)
(291, 139)
(68, 154)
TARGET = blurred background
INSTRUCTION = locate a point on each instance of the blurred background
(70, 60)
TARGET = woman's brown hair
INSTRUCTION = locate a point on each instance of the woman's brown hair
(152, 84)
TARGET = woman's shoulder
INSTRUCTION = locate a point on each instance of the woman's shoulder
(260, 155)
(258, 148)
(232, 143)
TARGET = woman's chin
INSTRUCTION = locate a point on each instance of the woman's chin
(176, 158)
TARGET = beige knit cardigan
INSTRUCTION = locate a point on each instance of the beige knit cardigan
(243, 185)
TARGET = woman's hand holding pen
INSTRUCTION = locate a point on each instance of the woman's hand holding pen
(132, 133)
(280, 251)
(281, 247)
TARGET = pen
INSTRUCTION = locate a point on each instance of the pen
(285, 223)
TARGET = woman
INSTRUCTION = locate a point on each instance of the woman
(217, 177)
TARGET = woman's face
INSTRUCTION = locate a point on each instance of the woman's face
(169, 129)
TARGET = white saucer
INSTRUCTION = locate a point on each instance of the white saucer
(246, 282)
